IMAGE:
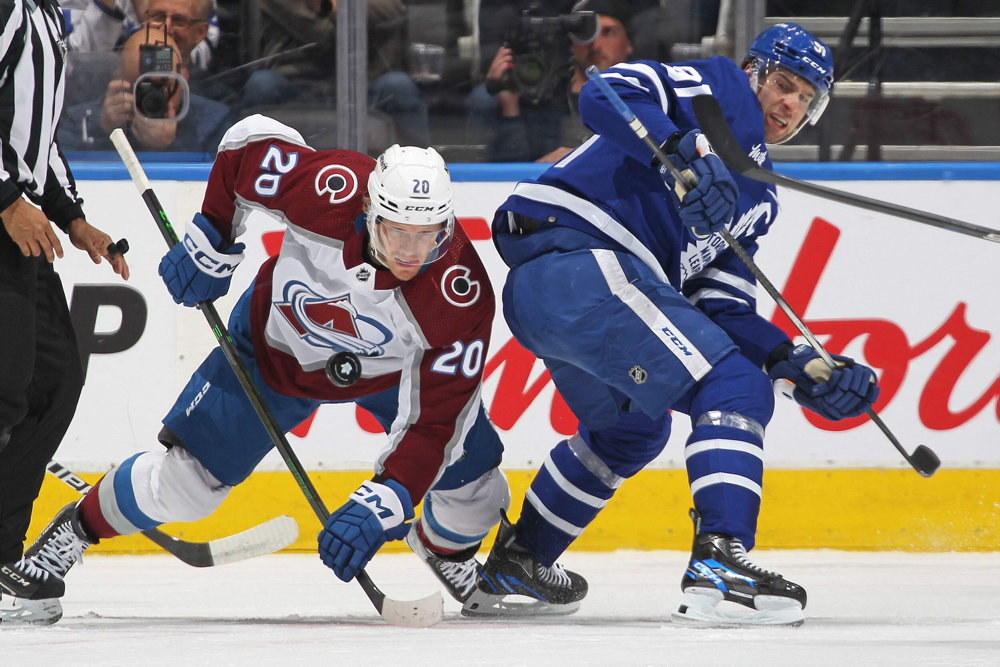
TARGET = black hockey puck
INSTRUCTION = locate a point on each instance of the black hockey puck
(343, 369)
(119, 248)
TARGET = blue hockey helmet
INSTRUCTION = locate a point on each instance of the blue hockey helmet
(793, 48)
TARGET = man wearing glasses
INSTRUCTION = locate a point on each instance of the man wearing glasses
(106, 23)
(156, 114)
(186, 22)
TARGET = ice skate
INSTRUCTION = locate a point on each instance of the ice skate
(30, 588)
(513, 571)
(457, 572)
(21, 611)
(29, 594)
(722, 587)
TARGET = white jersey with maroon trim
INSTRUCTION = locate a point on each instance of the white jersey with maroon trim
(322, 293)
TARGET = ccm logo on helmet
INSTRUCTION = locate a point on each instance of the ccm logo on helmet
(337, 181)
(418, 209)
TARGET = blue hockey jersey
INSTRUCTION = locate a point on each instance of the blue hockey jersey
(610, 189)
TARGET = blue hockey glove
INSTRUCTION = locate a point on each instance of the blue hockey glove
(707, 207)
(847, 391)
(195, 269)
(374, 514)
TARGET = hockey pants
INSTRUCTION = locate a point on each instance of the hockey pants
(624, 349)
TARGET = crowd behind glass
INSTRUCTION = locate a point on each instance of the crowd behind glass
(480, 80)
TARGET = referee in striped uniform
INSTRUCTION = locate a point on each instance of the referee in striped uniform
(40, 372)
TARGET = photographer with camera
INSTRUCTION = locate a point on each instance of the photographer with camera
(150, 100)
(529, 96)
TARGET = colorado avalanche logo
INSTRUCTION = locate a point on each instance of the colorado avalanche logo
(332, 322)
(458, 289)
(337, 181)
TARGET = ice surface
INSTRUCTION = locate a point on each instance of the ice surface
(864, 609)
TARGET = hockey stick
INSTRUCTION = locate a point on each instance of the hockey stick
(923, 459)
(417, 613)
(262, 539)
(713, 123)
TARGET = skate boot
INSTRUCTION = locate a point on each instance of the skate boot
(511, 570)
(722, 587)
(32, 586)
(457, 571)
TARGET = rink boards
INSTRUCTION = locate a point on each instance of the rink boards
(916, 302)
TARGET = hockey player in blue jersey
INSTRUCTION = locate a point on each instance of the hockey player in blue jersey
(637, 307)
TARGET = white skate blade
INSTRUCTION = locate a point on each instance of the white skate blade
(18, 611)
(708, 608)
(484, 605)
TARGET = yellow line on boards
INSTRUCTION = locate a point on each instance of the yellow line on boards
(832, 508)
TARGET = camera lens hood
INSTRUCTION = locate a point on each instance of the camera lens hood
(153, 90)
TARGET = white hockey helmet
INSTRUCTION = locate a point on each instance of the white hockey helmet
(412, 186)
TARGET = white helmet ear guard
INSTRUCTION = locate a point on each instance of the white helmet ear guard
(411, 186)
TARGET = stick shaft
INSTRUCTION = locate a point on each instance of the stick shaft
(713, 124)
(637, 127)
(232, 355)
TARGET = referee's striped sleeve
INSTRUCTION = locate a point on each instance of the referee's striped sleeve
(32, 71)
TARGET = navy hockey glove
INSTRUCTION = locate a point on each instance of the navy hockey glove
(707, 207)
(197, 269)
(374, 514)
(847, 391)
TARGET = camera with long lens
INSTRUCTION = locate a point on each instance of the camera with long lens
(158, 82)
(539, 48)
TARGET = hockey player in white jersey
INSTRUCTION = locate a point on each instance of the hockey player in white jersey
(637, 308)
(372, 262)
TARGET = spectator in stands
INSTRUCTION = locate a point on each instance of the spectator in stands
(103, 25)
(544, 128)
(87, 126)
(308, 75)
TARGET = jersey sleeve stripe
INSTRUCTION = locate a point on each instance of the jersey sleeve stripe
(647, 72)
(741, 284)
(711, 293)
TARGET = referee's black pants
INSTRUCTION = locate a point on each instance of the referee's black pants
(41, 378)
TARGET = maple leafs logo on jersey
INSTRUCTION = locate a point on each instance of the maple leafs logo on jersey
(332, 322)
(337, 181)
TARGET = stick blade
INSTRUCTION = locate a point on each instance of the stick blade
(422, 613)
(262, 539)
(924, 460)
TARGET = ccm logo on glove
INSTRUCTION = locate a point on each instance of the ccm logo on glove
(209, 260)
(387, 507)
(372, 515)
(198, 269)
